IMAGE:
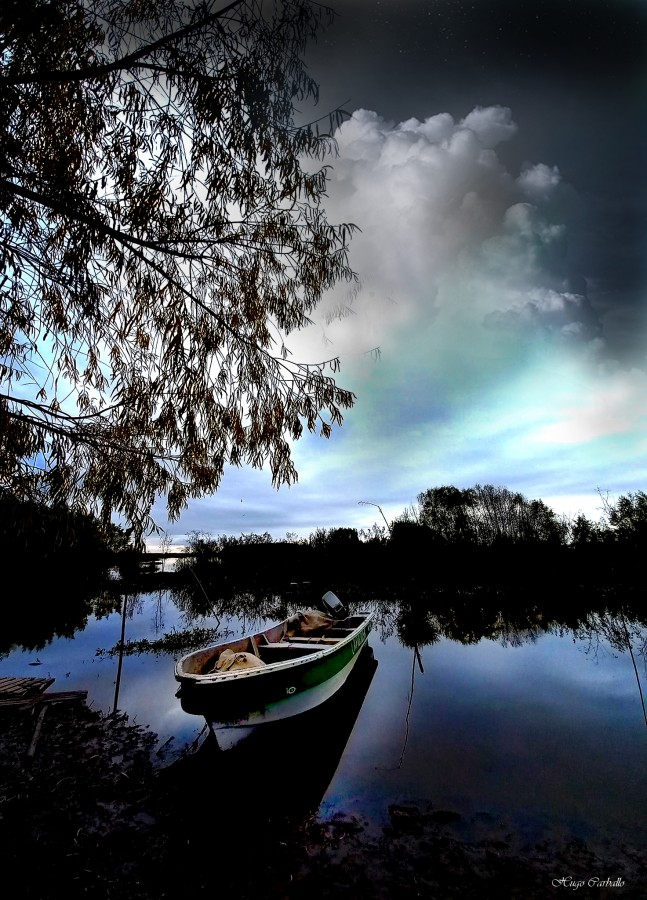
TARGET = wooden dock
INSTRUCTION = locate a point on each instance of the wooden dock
(24, 693)
(31, 694)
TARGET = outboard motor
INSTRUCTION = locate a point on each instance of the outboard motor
(333, 605)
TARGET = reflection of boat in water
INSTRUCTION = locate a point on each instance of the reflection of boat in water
(298, 756)
(275, 674)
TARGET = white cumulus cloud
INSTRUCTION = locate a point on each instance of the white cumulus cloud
(446, 230)
(539, 182)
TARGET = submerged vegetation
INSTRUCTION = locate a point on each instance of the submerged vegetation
(175, 641)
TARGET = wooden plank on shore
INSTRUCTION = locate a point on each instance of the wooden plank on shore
(31, 750)
(18, 702)
(29, 693)
(59, 696)
(16, 686)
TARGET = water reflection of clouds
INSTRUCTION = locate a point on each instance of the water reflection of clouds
(543, 664)
(521, 731)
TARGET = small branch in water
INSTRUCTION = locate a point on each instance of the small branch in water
(196, 742)
(640, 690)
(207, 598)
(406, 734)
(121, 655)
(416, 659)
(163, 747)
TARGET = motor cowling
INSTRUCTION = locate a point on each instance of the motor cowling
(332, 604)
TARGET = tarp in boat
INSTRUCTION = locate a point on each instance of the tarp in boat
(308, 621)
(229, 660)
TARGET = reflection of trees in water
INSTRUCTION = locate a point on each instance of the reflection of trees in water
(604, 629)
(158, 613)
(417, 627)
(135, 604)
(615, 630)
(623, 637)
(251, 607)
(471, 621)
(513, 636)
(386, 618)
(420, 618)
(467, 625)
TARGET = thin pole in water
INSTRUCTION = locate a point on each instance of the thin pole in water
(416, 659)
(368, 503)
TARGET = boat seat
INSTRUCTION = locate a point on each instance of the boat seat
(293, 644)
(279, 645)
(318, 639)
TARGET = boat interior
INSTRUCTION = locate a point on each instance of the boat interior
(289, 646)
(277, 644)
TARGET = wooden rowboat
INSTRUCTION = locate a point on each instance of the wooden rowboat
(271, 755)
(273, 674)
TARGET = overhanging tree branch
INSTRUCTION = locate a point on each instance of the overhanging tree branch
(159, 239)
(128, 62)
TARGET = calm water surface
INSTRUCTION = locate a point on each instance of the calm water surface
(543, 732)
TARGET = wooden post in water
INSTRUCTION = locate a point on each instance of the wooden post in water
(121, 654)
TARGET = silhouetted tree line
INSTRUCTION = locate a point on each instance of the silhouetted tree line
(483, 536)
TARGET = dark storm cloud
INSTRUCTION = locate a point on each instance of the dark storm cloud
(495, 39)
(573, 73)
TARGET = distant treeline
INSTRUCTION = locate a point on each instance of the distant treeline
(479, 536)
(452, 564)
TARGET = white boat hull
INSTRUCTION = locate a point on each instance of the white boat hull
(232, 733)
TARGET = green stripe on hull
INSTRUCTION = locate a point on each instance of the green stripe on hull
(230, 734)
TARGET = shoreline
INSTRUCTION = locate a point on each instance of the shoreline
(108, 816)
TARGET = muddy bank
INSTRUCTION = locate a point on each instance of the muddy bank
(99, 813)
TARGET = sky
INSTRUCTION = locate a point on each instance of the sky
(492, 157)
